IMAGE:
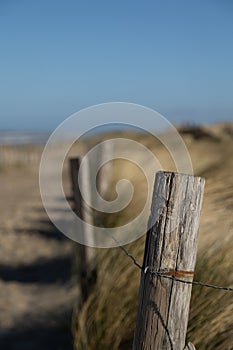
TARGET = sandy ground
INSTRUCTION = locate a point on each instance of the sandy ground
(36, 292)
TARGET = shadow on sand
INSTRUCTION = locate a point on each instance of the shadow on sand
(50, 330)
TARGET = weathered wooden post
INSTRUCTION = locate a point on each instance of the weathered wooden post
(85, 182)
(85, 255)
(106, 151)
(171, 246)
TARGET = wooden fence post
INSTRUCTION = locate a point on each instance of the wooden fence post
(171, 244)
(85, 255)
(106, 150)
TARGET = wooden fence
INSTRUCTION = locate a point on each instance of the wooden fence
(170, 252)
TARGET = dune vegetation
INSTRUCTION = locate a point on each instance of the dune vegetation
(107, 319)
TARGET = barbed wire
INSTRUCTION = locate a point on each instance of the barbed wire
(162, 274)
(156, 309)
(126, 252)
(196, 283)
(159, 273)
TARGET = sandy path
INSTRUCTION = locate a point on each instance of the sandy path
(36, 293)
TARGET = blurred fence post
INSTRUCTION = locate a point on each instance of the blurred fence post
(105, 173)
(85, 181)
(85, 255)
(171, 244)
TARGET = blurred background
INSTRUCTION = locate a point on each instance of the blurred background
(59, 57)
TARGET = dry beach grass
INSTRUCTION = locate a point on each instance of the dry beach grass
(107, 319)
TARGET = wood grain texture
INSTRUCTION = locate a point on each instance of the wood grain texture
(171, 244)
(190, 346)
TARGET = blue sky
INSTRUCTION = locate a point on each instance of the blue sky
(57, 57)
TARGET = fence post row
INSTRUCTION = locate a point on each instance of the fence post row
(171, 244)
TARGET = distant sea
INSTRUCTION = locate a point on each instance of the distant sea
(8, 137)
